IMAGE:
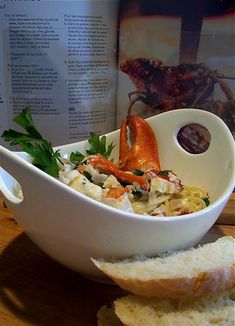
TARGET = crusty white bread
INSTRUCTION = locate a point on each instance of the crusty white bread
(134, 310)
(207, 269)
(217, 310)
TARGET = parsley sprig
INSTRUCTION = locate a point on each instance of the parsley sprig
(42, 152)
(98, 145)
(76, 158)
(32, 142)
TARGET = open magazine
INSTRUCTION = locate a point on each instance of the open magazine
(81, 66)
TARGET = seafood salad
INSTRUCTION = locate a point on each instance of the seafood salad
(135, 183)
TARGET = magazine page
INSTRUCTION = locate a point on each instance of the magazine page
(59, 59)
(176, 54)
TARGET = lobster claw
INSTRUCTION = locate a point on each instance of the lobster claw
(143, 152)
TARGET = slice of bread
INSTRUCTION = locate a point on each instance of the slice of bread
(207, 269)
(201, 311)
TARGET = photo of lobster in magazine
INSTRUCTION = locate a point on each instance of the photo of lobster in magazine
(177, 54)
(81, 66)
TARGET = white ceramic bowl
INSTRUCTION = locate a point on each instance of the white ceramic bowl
(71, 227)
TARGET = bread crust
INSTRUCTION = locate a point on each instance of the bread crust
(211, 282)
(198, 311)
(204, 281)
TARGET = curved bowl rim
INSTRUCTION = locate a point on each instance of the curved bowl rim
(115, 211)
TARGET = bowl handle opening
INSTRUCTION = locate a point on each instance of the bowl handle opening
(11, 178)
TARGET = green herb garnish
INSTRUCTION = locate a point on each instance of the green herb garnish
(138, 172)
(207, 201)
(98, 145)
(32, 142)
(76, 158)
(137, 194)
(42, 152)
(88, 176)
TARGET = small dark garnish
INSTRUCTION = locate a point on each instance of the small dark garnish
(137, 194)
(207, 201)
(138, 172)
(163, 173)
(158, 193)
(125, 183)
(84, 162)
(88, 176)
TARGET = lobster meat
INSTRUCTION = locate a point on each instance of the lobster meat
(105, 166)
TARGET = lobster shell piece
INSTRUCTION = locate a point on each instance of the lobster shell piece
(105, 166)
(143, 152)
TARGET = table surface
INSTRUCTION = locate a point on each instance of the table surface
(35, 290)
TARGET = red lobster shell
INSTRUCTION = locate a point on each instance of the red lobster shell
(186, 85)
